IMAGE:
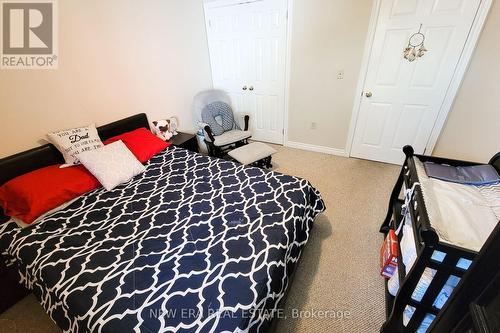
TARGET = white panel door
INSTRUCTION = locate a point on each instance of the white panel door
(402, 99)
(247, 44)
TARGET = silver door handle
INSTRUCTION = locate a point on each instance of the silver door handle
(251, 88)
(369, 94)
(244, 87)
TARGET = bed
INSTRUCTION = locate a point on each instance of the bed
(194, 244)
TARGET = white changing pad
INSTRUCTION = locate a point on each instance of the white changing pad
(461, 214)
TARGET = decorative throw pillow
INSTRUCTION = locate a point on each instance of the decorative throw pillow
(112, 164)
(31, 196)
(141, 142)
(74, 141)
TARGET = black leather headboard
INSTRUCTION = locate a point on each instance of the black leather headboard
(495, 161)
(122, 126)
(36, 158)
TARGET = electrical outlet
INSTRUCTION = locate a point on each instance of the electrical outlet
(313, 125)
(340, 75)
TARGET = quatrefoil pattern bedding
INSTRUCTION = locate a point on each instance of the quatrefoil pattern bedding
(193, 244)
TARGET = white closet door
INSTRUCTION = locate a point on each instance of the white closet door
(247, 44)
(402, 99)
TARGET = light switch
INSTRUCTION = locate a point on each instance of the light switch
(340, 75)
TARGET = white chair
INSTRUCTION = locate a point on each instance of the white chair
(213, 114)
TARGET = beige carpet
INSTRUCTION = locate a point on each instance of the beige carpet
(338, 273)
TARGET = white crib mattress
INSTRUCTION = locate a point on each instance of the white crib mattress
(462, 215)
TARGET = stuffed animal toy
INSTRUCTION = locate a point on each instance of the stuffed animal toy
(165, 129)
(161, 129)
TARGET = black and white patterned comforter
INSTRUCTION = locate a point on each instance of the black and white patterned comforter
(194, 244)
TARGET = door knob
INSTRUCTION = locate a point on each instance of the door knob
(244, 87)
(251, 88)
(369, 94)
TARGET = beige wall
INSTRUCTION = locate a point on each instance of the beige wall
(472, 128)
(327, 36)
(121, 57)
(117, 58)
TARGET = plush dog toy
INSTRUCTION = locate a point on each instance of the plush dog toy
(165, 129)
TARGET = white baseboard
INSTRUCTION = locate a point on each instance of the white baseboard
(318, 149)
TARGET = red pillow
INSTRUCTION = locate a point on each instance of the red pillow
(35, 193)
(141, 142)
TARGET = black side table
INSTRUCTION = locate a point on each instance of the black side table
(186, 141)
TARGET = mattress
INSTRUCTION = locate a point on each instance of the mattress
(462, 215)
(192, 244)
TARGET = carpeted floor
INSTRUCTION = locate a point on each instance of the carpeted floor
(337, 286)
